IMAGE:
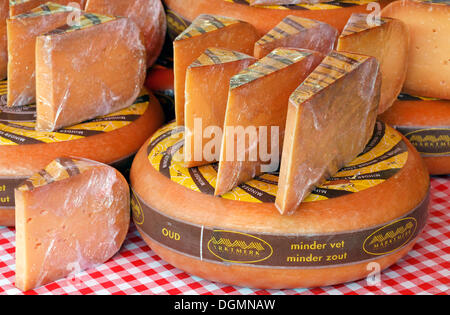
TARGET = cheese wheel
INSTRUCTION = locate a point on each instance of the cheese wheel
(370, 212)
(428, 22)
(426, 123)
(71, 216)
(149, 15)
(112, 139)
(180, 13)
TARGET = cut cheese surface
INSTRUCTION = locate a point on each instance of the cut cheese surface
(148, 15)
(88, 69)
(331, 117)
(71, 216)
(428, 71)
(207, 85)
(17, 7)
(4, 13)
(385, 39)
(297, 32)
(22, 32)
(256, 114)
(207, 31)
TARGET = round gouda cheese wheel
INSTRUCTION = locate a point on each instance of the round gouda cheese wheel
(180, 13)
(370, 212)
(426, 124)
(112, 139)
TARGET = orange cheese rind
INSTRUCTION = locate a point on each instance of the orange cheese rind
(277, 60)
(216, 56)
(332, 68)
(205, 23)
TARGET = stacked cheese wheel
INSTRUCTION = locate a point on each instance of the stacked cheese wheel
(210, 201)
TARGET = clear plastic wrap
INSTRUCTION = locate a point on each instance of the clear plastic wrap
(149, 15)
(428, 61)
(17, 7)
(298, 32)
(331, 118)
(22, 32)
(87, 70)
(207, 31)
(207, 83)
(255, 117)
(385, 39)
(71, 216)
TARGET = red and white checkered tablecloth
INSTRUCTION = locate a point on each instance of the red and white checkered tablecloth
(138, 270)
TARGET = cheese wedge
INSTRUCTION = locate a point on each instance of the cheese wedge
(256, 114)
(294, 31)
(286, 2)
(429, 59)
(22, 32)
(207, 82)
(330, 120)
(17, 7)
(71, 216)
(148, 15)
(86, 71)
(4, 13)
(207, 31)
(385, 39)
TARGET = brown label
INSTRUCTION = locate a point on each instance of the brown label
(176, 24)
(429, 141)
(278, 250)
(7, 186)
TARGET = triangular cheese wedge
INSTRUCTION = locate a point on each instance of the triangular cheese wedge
(385, 39)
(256, 114)
(207, 82)
(297, 32)
(88, 69)
(71, 216)
(330, 119)
(22, 32)
(207, 31)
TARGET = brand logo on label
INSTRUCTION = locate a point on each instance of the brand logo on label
(390, 237)
(436, 141)
(238, 247)
(138, 214)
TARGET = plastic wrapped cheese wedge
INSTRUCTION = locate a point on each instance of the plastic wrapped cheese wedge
(385, 39)
(88, 69)
(22, 32)
(428, 62)
(331, 117)
(207, 83)
(71, 216)
(17, 7)
(256, 114)
(207, 31)
(297, 32)
(3, 39)
(147, 14)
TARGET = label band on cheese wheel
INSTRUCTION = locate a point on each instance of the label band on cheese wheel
(429, 141)
(276, 250)
(7, 186)
(385, 154)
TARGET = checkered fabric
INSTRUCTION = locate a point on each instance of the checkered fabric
(138, 270)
